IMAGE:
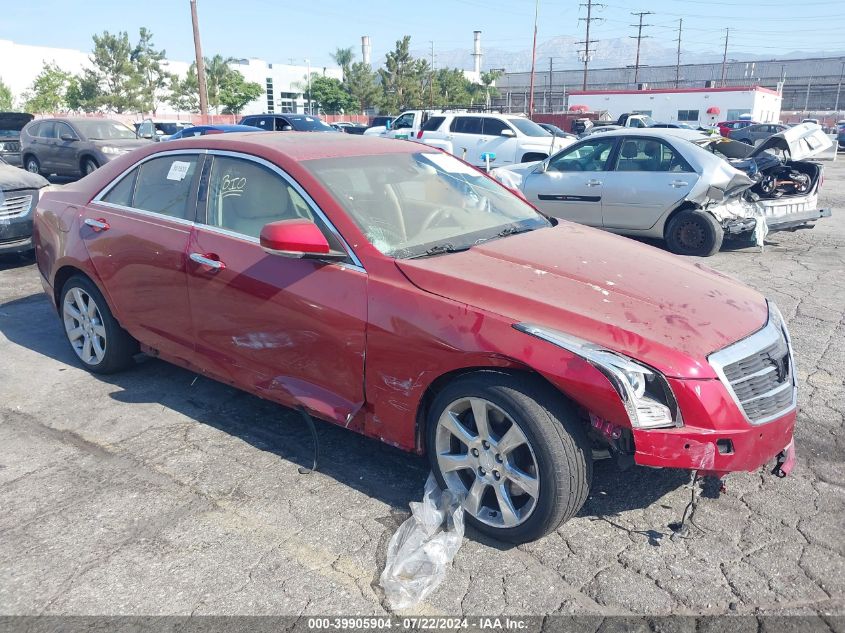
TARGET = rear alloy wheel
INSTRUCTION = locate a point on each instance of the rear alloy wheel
(694, 233)
(89, 165)
(512, 447)
(32, 165)
(93, 333)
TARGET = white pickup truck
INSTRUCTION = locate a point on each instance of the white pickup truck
(406, 125)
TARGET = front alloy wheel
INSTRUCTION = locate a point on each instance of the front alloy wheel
(512, 446)
(482, 453)
(84, 326)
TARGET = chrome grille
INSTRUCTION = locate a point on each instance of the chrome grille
(759, 374)
(10, 146)
(14, 205)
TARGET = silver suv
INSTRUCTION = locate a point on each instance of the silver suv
(507, 138)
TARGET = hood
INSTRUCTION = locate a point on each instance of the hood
(12, 178)
(14, 121)
(802, 141)
(513, 176)
(613, 291)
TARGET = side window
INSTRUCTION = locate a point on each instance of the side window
(122, 192)
(265, 123)
(33, 130)
(589, 156)
(64, 129)
(404, 121)
(281, 124)
(164, 185)
(494, 127)
(433, 123)
(47, 130)
(649, 155)
(244, 195)
(466, 125)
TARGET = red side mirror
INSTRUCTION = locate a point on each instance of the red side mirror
(294, 238)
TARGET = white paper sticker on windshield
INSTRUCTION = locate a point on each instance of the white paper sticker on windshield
(451, 164)
(178, 170)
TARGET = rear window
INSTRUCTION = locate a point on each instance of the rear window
(433, 123)
(310, 124)
(466, 125)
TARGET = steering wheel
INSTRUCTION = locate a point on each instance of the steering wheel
(433, 216)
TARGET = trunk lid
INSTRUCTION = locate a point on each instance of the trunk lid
(802, 142)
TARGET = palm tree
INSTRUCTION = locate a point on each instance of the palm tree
(216, 70)
(343, 57)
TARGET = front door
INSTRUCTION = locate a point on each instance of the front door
(291, 330)
(649, 178)
(67, 142)
(136, 233)
(572, 186)
(465, 132)
(46, 147)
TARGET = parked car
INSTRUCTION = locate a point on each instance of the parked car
(580, 126)
(202, 130)
(407, 125)
(681, 186)
(497, 341)
(840, 136)
(681, 126)
(19, 191)
(74, 147)
(349, 127)
(751, 134)
(556, 131)
(511, 138)
(287, 122)
(160, 129)
(11, 124)
(725, 127)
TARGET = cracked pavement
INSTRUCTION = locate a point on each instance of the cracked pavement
(156, 492)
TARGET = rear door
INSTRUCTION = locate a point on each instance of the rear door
(648, 179)
(492, 140)
(291, 330)
(466, 133)
(136, 232)
(66, 150)
(45, 145)
(572, 186)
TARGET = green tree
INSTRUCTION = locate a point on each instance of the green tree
(330, 95)
(49, 90)
(402, 77)
(451, 87)
(5, 96)
(236, 92)
(487, 81)
(184, 92)
(361, 85)
(83, 92)
(117, 76)
(150, 67)
(216, 73)
(343, 57)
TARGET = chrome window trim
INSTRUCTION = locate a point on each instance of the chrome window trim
(173, 152)
(760, 340)
(356, 262)
(143, 212)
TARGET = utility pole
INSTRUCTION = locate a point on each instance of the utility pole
(587, 41)
(200, 63)
(551, 70)
(431, 78)
(678, 64)
(839, 86)
(807, 98)
(639, 37)
(725, 57)
(533, 60)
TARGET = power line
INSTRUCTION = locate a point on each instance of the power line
(639, 37)
(587, 41)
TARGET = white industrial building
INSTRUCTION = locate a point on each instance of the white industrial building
(695, 106)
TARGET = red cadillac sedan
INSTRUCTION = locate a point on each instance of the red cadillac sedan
(394, 290)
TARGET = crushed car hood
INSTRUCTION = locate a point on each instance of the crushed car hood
(14, 121)
(14, 178)
(615, 292)
(802, 141)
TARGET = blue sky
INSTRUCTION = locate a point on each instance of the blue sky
(291, 31)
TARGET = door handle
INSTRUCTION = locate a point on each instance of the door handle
(205, 260)
(678, 183)
(593, 183)
(97, 225)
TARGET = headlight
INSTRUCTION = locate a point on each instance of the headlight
(109, 149)
(645, 392)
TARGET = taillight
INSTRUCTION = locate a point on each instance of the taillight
(419, 134)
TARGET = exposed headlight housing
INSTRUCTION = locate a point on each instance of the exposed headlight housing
(644, 391)
(110, 149)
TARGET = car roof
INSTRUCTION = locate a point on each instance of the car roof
(662, 132)
(300, 146)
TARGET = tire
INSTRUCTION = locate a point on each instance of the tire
(527, 158)
(32, 165)
(694, 233)
(547, 432)
(89, 165)
(111, 347)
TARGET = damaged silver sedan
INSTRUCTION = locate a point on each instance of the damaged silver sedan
(685, 187)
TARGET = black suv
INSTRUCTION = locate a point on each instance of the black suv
(287, 122)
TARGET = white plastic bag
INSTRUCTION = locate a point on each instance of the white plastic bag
(421, 550)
